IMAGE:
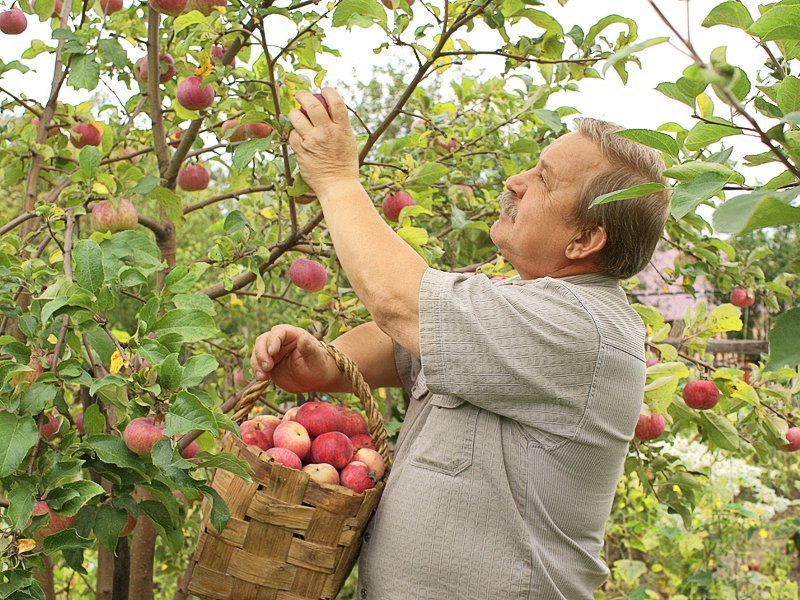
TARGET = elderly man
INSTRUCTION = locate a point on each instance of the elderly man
(524, 393)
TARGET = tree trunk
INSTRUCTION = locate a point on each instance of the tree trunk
(45, 578)
(142, 555)
(105, 574)
(122, 568)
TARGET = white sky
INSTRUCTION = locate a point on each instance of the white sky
(637, 105)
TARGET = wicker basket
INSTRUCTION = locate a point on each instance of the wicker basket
(289, 537)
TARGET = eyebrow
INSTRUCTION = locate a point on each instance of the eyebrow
(545, 165)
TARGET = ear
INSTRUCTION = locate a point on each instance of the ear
(587, 244)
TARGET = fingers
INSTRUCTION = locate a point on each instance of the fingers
(270, 348)
(336, 105)
(295, 140)
(314, 109)
(300, 122)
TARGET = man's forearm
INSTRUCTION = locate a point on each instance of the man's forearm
(372, 352)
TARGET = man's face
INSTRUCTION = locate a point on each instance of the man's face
(532, 231)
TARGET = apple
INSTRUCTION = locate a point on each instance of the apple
(191, 450)
(218, 52)
(258, 130)
(322, 473)
(239, 132)
(324, 103)
(79, 424)
(85, 134)
(56, 8)
(110, 6)
(255, 436)
(448, 146)
(290, 414)
(239, 379)
(176, 137)
(50, 428)
(193, 178)
(129, 525)
(286, 457)
(292, 436)
(308, 274)
(352, 423)
(373, 460)
(742, 298)
(168, 7)
(192, 96)
(142, 433)
(13, 22)
(107, 217)
(652, 361)
(649, 427)
(268, 423)
(392, 4)
(204, 6)
(166, 66)
(362, 440)
(51, 132)
(333, 447)
(792, 436)
(306, 199)
(357, 477)
(394, 203)
(55, 524)
(319, 418)
(701, 394)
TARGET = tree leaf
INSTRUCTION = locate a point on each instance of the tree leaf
(783, 347)
(692, 170)
(112, 450)
(789, 95)
(687, 196)
(18, 435)
(653, 139)
(196, 368)
(108, 524)
(21, 501)
(424, 177)
(246, 151)
(628, 50)
(748, 212)
(171, 203)
(360, 13)
(719, 430)
(68, 538)
(187, 412)
(636, 191)
(227, 462)
(89, 159)
(733, 14)
(781, 22)
(704, 134)
(220, 513)
(88, 265)
(189, 325)
(171, 373)
(84, 72)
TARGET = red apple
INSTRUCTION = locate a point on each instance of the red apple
(13, 22)
(176, 137)
(192, 96)
(238, 131)
(258, 130)
(51, 132)
(373, 460)
(168, 7)
(334, 448)
(652, 361)
(649, 427)
(239, 379)
(742, 298)
(193, 178)
(142, 433)
(308, 274)
(322, 100)
(322, 473)
(362, 440)
(218, 52)
(388, 3)
(319, 418)
(286, 457)
(166, 66)
(55, 524)
(79, 424)
(204, 6)
(292, 436)
(191, 450)
(448, 146)
(110, 6)
(290, 414)
(263, 436)
(357, 477)
(85, 134)
(352, 423)
(107, 217)
(305, 199)
(701, 394)
(50, 428)
(394, 203)
(793, 437)
(268, 423)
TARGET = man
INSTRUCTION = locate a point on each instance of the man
(524, 393)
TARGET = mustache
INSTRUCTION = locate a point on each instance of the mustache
(508, 205)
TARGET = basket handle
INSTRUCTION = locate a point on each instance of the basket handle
(374, 418)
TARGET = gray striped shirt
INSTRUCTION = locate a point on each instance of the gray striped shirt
(522, 408)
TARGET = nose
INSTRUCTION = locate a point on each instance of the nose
(516, 184)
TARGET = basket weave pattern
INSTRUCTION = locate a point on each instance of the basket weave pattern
(288, 537)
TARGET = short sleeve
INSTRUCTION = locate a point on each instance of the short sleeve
(527, 350)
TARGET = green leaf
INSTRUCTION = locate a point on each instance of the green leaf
(780, 23)
(220, 513)
(171, 203)
(693, 170)
(725, 317)
(424, 177)
(189, 325)
(227, 462)
(628, 50)
(733, 14)
(704, 134)
(112, 50)
(636, 191)
(687, 196)
(79, 493)
(112, 450)
(246, 151)
(653, 139)
(757, 210)
(18, 435)
(145, 185)
(358, 13)
(605, 22)
(685, 90)
(171, 373)
(88, 264)
(68, 538)
(44, 9)
(93, 420)
(550, 118)
(21, 501)
(37, 398)
(108, 524)
(187, 413)
(196, 368)
(158, 513)
(89, 160)
(414, 236)
(789, 95)
(783, 347)
(84, 72)
(194, 17)
(719, 430)
(629, 571)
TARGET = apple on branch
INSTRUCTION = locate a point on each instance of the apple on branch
(258, 130)
(166, 65)
(85, 134)
(649, 427)
(394, 203)
(142, 433)
(742, 298)
(168, 7)
(110, 6)
(308, 274)
(238, 131)
(107, 217)
(192, 95)
(55, 524)
(204, 6)
(13, 22)
(193, 178)
(701, 394)
(218, 52)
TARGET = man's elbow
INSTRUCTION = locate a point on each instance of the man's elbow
(400, 321)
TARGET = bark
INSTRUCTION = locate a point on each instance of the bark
(105, 574)
(122, 568)
(45, 578)
(142, 552)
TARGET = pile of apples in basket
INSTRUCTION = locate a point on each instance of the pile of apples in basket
(329, 442)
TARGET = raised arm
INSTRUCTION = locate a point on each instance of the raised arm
(297, 363)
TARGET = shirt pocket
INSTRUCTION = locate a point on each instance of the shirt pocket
(447, 439)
